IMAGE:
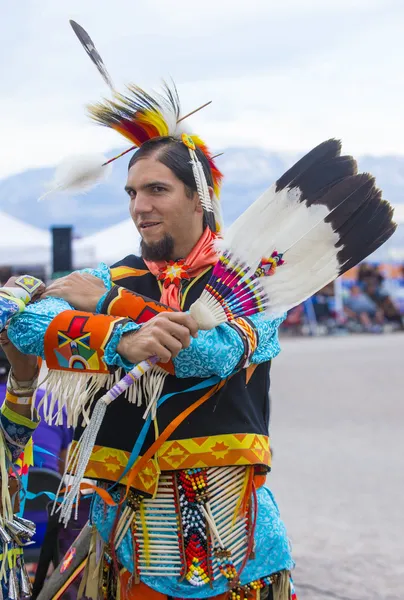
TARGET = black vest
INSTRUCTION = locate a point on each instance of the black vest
(237, 408)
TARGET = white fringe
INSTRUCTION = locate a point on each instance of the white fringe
(149, 387)
(79, 461)
(75, 392)
(153, 383)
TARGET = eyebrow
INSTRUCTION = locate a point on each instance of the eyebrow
(146, 186)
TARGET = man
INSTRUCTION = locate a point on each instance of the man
(17, 425)
(180, 458)
(201, 524)
(360, 307)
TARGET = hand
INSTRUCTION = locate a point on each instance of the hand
(81, 290)
(164, 336)
(24, 366)
(35, 296)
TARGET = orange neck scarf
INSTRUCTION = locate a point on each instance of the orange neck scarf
(171, 273)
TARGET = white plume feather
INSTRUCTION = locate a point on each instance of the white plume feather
(78, 174)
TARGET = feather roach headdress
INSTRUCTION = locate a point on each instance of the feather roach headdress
(140, 117)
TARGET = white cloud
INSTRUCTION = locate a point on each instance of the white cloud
(282, 75)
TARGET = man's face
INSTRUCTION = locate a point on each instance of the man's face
(160, 207)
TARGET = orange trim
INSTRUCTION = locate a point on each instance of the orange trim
(249, 372)
(249, 332)
(141, 591)
(129, 304)
(259, 480)
(72, 578)
(215, 451)
(109, 464)
(137, 591)
(166, 434)
(118, 273)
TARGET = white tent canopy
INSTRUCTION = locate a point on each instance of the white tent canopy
(22, 244)
(108, 245)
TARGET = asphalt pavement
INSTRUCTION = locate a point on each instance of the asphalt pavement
(337, 428)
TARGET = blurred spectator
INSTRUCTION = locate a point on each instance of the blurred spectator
(373, 287)
(324, 308)
(54, 439)
(360, 308)
(294, 321)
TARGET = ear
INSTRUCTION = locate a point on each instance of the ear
(198, 205)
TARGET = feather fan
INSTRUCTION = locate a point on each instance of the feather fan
(317, 221)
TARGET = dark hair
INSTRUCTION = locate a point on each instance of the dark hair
(173, 153)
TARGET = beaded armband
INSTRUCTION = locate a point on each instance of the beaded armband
(249, 337)
(20, 392)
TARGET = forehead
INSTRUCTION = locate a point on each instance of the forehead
(149, 169)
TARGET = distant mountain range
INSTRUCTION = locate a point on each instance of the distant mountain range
(248, 172)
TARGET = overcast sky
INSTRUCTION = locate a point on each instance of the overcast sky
(282, 74)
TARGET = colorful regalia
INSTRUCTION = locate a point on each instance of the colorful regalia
(179, 459)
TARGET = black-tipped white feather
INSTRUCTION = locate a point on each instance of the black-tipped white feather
(321, 216)
(92, 52)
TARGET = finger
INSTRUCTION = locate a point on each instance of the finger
(93, 279)
(39, 292)
(186, 320)
(181, 333)
(170, 343)
(174, 329)
(162, 353)
(53, 286)
(52, 293)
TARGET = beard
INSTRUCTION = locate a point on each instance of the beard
(161, 250)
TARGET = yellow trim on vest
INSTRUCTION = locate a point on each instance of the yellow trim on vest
(183, 297)
(210, 451)
(123, 272)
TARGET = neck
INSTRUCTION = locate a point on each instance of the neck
(181, 250)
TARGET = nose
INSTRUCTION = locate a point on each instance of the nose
(141, 204)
